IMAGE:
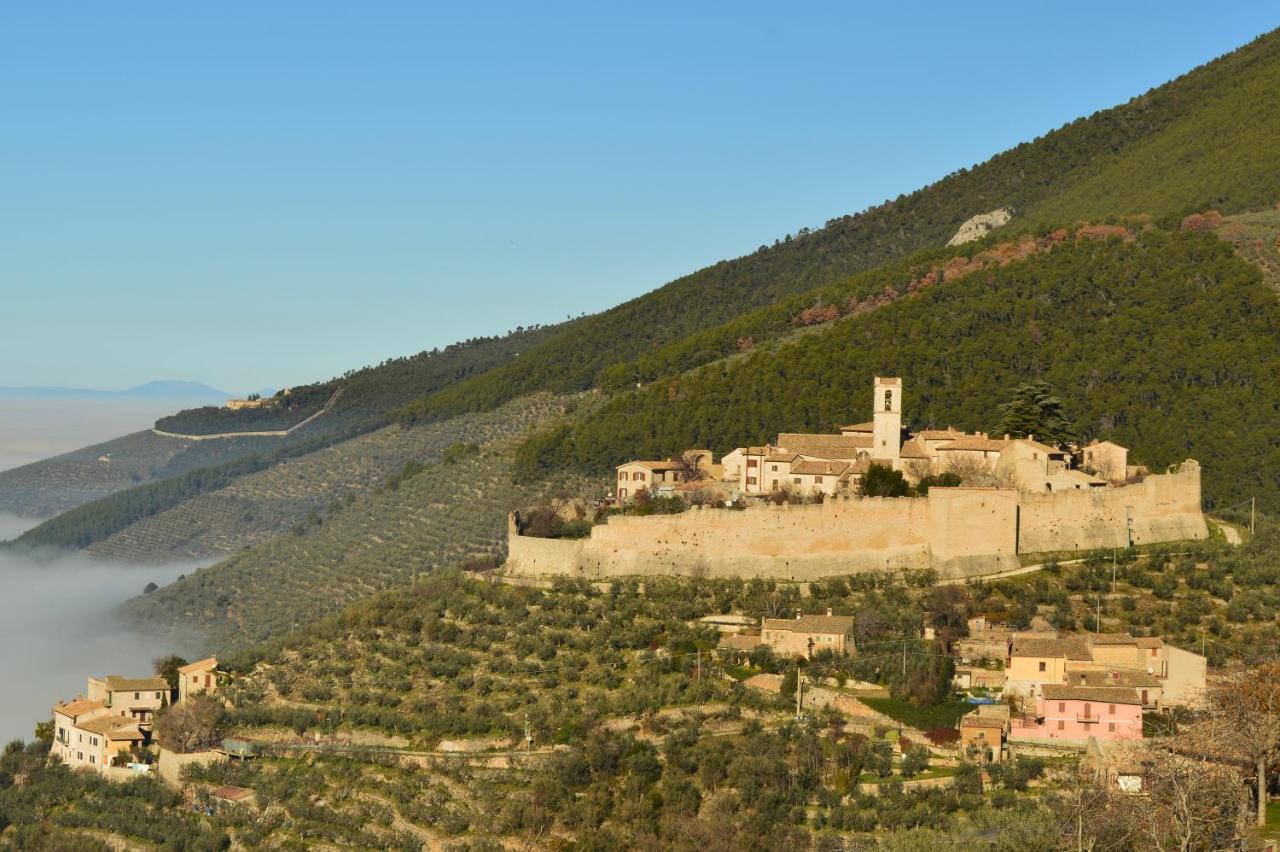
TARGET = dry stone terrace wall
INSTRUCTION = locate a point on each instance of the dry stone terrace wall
(960, 532)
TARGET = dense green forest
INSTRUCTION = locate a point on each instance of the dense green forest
(1166, 343)
(1199, 141)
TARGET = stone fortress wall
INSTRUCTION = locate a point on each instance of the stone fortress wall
(960, 532)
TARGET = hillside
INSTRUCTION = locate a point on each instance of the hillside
(1199, 141)
(55, 485)
(259, 505)
(446, 513)
(638, 736)
(1165, 341)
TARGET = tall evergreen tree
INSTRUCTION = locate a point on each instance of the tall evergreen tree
(1035, 410)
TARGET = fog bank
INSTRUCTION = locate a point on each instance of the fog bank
(34, 429)
(57, 627)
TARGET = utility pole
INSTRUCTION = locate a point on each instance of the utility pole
(698, 663)
(799, 689)
(1253, 511)
(1202, 641)
(904, 658)
(1097, 619)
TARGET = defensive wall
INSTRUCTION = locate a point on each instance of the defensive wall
(960, 532)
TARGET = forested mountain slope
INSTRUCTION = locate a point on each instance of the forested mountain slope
(1166, 342)
(1202, 140)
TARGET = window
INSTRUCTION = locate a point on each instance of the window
(1087, 710)
(137, 695)
(622, 492)
(157, 695)
(751, 463)
(93, 741)
(1043, 665)
(1061, 725)
(1111, 709)
(622, 476)
(1111, 727)
(1062, 706)
(639, 476)
(751, 480)
(79, 755)
(817, 480)
(92, 759)
(888, 400)
(775, 468)
(796, 480)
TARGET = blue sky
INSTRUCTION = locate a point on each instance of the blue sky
(254, 194)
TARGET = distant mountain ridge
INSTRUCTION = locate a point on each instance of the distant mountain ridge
(178, 390)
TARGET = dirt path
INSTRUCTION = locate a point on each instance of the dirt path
(278, 433)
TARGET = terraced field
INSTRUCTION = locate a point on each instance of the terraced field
(261, 505)
(447, 514)
(54, 485)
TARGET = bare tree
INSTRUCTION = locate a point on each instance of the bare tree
(693, 466)
(1245, 719)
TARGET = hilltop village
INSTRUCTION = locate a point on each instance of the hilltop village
(981, 504)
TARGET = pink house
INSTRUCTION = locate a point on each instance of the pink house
(1075, 713)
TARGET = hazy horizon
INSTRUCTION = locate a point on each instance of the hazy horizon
(35, 429)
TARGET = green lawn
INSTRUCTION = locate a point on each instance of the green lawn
(944, 715)
(1272, 828)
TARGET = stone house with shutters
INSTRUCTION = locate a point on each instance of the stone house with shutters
(195, 678)
(805, 635)
(136, 699)
(1076, 713)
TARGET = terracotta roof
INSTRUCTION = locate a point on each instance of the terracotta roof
(824, 446)
(974, 442)
(116, 683)
(1102, 694)
(1036, 445)
(973, 720)
(655, 465)
(206, 664)
(72, 709)
(913, 450)
(1096, 443)
(820, 468)
(1113, 678)
(1112, 639)
(739, 641)
(116, 727)
(755, 451)
(869, 426)
(1149, 642)
(783, 457)
(888, 380)
(939, 434)
(1070, 647)
(837, 624)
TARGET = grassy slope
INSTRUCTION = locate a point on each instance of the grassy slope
(1201, 140)
(1168, 344)
(440, 517)
(255, 507)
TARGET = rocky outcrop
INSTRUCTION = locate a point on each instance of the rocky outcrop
(979, 226)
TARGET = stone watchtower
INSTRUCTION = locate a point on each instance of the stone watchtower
(888, 419)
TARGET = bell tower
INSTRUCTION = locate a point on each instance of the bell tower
(887, 416)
